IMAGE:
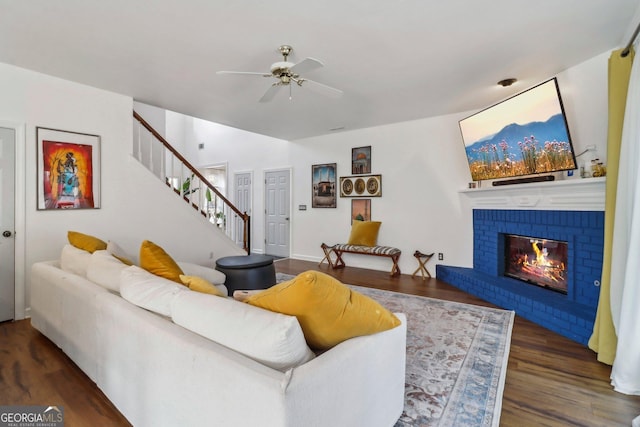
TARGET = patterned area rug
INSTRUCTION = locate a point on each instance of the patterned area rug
(456, 359)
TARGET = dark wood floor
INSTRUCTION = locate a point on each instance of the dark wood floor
(551, 381)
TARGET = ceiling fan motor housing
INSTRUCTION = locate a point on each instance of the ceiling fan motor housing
(281, 71)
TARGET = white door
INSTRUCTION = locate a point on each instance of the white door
(242, 191)
(7, 224)
(277, 212)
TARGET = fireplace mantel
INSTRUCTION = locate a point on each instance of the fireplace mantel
(571, 195)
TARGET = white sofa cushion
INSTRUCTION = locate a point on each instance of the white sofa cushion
(149, 291)
(214, 276)
(104, 270)
(74, 260)
(273, 339)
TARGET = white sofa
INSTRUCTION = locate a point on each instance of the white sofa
(160, 374)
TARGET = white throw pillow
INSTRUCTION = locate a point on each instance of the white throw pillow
(74, 260)
(273, 339)
(214, 276)
(104, 269)
(149, 291)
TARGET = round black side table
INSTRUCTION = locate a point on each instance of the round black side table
(247, 272)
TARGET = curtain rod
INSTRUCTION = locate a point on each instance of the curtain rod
(627, 49)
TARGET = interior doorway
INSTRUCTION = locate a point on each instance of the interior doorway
(217, 176)
(277, 212)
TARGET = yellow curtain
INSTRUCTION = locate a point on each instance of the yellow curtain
(604, 340)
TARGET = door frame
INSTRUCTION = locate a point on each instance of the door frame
(264, 204)
(19, 206)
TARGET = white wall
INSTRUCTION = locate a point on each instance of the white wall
(584, 90)
(241, 151)
(155, 116)
(423, 167)
(135, 205)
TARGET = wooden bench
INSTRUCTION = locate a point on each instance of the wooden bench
(339, 249)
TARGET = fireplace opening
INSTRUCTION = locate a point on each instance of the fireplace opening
(541, 262)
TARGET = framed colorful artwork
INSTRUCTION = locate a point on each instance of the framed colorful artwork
(68, 172)
(323, 179)
(361, 160)
(360, 210)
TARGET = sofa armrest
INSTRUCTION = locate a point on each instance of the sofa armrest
(63, 308)
(359, 382)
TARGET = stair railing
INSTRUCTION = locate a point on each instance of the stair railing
(164, 161)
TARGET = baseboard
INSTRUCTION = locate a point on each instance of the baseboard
(305, 257)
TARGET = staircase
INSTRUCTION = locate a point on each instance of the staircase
(157, 155)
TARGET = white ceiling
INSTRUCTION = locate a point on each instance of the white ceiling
(395, 60)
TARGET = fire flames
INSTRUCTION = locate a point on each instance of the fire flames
(542, 266)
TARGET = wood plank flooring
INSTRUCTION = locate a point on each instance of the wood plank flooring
(551, 381)
(34, 371)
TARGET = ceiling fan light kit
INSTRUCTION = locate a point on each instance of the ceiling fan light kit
(286, 72)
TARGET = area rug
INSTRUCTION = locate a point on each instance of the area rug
(456, 359)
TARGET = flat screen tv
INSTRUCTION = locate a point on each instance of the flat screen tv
(526, 134)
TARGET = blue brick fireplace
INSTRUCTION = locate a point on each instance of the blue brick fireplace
(571, 315)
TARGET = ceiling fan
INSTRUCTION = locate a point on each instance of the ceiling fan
(286, 72)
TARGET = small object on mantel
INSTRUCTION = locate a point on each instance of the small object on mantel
(422, 260)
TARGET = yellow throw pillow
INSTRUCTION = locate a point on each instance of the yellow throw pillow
(328, 311)
(199, 284)
(86, 242)
(156, 261)
(364, 233)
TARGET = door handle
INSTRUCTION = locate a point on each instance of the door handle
(6, 233)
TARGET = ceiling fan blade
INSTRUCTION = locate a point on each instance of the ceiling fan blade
(306, 65)
(322, 89)
(248, 73)
(271, 92)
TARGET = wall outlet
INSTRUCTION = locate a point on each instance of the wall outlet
(591, 147)
(440, 256)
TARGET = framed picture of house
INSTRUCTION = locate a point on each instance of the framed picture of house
(68, 170)
(323, 179)
(360, 210)
(361, 186)
(361, 160)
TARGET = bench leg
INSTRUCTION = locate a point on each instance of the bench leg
(422, 267)
(339, 261)
(423, 272)
(395, 270)
(327, 254)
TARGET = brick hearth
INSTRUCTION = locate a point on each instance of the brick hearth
(570, 315)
